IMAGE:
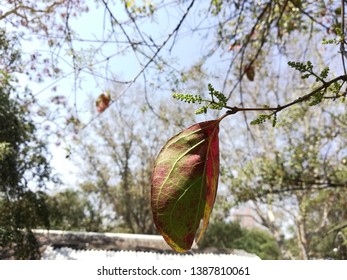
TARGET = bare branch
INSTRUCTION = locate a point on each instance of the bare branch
(297, 5)
(176, 29)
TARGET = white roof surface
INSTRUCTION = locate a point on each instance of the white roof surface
(65, 253)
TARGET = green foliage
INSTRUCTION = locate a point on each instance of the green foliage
(216, 6)
(17, 218)
(325, 72)
(261, 119)
(329, 41)
(70, 210)
(301, 67)
(10, 58)
(299, 174)
(147, 9)
(335, 88)
(189, 98)
(218, 100)
(231, 235)
(316, 98)
(5, 150)
(337, 40)
(22, 160)
(307, 70)
(222, 100)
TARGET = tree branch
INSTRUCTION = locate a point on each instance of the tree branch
(326, 85)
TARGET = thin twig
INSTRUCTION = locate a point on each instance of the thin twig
(297, 5)
(149, 61)
(244, 47)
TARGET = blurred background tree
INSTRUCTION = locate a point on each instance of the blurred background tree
(23, 163)
(298, 187)
(231, 235)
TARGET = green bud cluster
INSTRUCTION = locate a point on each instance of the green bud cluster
(307, 70)
(317, 98)
(189, 98)
(260, 119)
(302, 67)
(218, 100)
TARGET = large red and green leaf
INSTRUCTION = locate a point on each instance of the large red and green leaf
(184, 184)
